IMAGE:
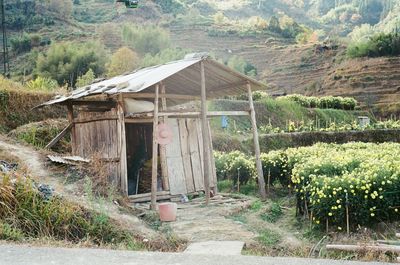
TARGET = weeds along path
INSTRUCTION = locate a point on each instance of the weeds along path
(33, 162)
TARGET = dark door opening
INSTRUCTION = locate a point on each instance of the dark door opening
(139, 140)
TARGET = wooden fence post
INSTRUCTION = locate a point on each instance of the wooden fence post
(204, 131)
(71, 121)
(154, 169)
(163, 152)
(261, 181)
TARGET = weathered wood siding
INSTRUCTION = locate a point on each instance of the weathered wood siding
(184, 157)
(99, 134)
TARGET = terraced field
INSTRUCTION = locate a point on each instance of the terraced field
(303, 69)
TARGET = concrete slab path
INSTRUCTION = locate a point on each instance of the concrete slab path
(25, 255)
(222, 248)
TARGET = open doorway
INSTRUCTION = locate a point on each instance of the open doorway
(139, 141)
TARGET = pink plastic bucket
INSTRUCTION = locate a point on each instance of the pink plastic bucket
(167, 211)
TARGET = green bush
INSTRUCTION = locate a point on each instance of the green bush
(363, 176)
(328, 177)
(145, 39)
(7, 232)
(275, 168)
(378, 45)
(242, 66)
(234, 166)
(66, 61)
(325, 174)
(39, 134)
(21, 43)
(42, 84)
(164, 56)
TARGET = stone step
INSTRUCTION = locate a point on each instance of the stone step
(219, 248)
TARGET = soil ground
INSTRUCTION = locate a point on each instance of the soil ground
(195, 222)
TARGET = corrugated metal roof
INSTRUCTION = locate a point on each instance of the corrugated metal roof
(179, 77)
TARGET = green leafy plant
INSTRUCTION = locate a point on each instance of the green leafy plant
(42, 84)
(273, 214)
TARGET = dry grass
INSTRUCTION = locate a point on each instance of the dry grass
(98, 172)
(39, 134)
(16, 106)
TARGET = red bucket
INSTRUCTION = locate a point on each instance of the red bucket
(167, 211)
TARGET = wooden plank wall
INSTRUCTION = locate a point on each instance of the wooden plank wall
(100, 138)
(176, 171)
(184, 158)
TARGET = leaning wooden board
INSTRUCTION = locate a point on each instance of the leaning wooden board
(176, 172)
(195, 158)
(184, 137)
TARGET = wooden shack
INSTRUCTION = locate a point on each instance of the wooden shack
(100, 122)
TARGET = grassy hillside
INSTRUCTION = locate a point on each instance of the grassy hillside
(282, 39)
(273, 116)
(17, 106)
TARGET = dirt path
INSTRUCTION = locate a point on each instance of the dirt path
(198, 223)
(29, 157)
(195, 222)
(34, 163)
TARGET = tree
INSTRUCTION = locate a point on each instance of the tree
(122, 61)
(241, 65)
(146, 39)
(66, 61)
(164, 56)
(274, 25)
(85, 79)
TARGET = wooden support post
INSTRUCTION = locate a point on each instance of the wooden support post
(163, 152)
(71, 121)
(122, 145)
(204, 132)
(154, 169)
(347, 215)
(261, 181)
(58, 137)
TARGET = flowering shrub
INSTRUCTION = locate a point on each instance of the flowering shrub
(328, 102)
(275, 167)
(235, 166)
(363, 176)
(327, 178)
(310, 126)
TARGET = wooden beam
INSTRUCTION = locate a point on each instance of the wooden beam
(148, 198)
(70, 116)
(155, 153)
(366, 248)
(136, 120)
(261, 181)
(144, 195)
(204, 131)
(168, 96)
(92, 102)
(209, 113)
(185, 113)
(163, 151)
(109, 118)
(59, 136)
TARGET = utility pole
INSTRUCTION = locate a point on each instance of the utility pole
(6, 65)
